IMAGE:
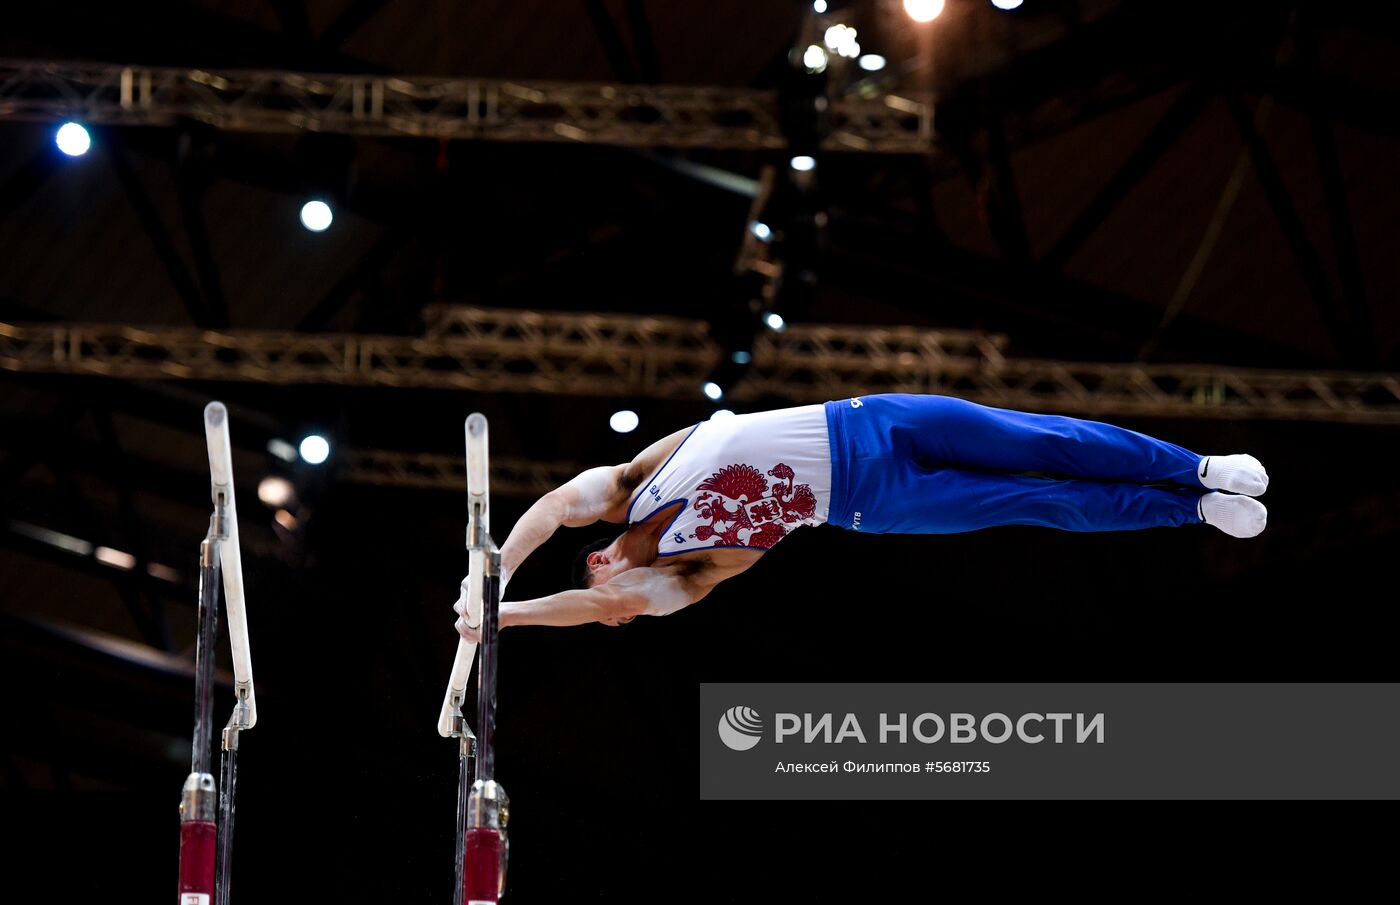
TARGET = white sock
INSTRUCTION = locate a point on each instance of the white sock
(1237, 516)
(1237, 474)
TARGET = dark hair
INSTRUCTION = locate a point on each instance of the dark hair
(581, 573)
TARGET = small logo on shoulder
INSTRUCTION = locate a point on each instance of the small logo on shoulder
(856, 403)
(855, 523)
(678, 537)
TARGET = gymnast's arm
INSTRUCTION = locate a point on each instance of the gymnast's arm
(643, 591)
(585, 499)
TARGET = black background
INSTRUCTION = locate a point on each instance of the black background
(346, 792)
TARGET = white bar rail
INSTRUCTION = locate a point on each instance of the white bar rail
(216, 432)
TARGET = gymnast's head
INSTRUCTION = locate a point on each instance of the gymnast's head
(598, 562)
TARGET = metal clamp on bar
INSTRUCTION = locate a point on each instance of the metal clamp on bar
(487, 847)
(198, 833)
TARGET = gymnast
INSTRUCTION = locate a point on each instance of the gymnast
(703, 504)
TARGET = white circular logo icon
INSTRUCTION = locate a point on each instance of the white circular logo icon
(740, 728)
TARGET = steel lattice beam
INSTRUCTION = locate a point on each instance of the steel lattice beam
(636, 115)
(502, 351)
(623, 355)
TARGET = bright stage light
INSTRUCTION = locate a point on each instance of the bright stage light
(871, 62)
(117, 559)
(72, 139)
(842, 40)
(814, 58)
(274, 491)
(923, 10)
(837, 35)
(1006, 4)
(315, 449)
(57, 539)
(316, 216)
(164, 573)
(802, 163)
(282, 450)
(761, 230)
(819, 6)
(774, 321)
(624, 422)
(713, 391)
(741, 357)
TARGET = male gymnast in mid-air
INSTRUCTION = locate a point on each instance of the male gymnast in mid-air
(704, 503)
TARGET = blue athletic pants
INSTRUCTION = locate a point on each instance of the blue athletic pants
(912, 464)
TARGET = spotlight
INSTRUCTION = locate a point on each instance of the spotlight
(814, 59)
(66, 542)
(803, 163)
(871, 62)
(285, 519)
(842, 40)
(923, 10)
(761, 230)
(315, 449)
(713, 391)
(316, 216)
(837, 35)
(282, 450)
(624, 422)
(275, 492)
(115, 558)
(72, 139)
(819, 6)
(1006, 4)
(164, 573)
(741, 357)
(721, 414)
(774, 321)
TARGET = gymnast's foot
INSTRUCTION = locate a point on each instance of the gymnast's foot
(1237, 516)
(1237, 474)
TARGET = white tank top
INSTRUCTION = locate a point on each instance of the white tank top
(745, 481)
